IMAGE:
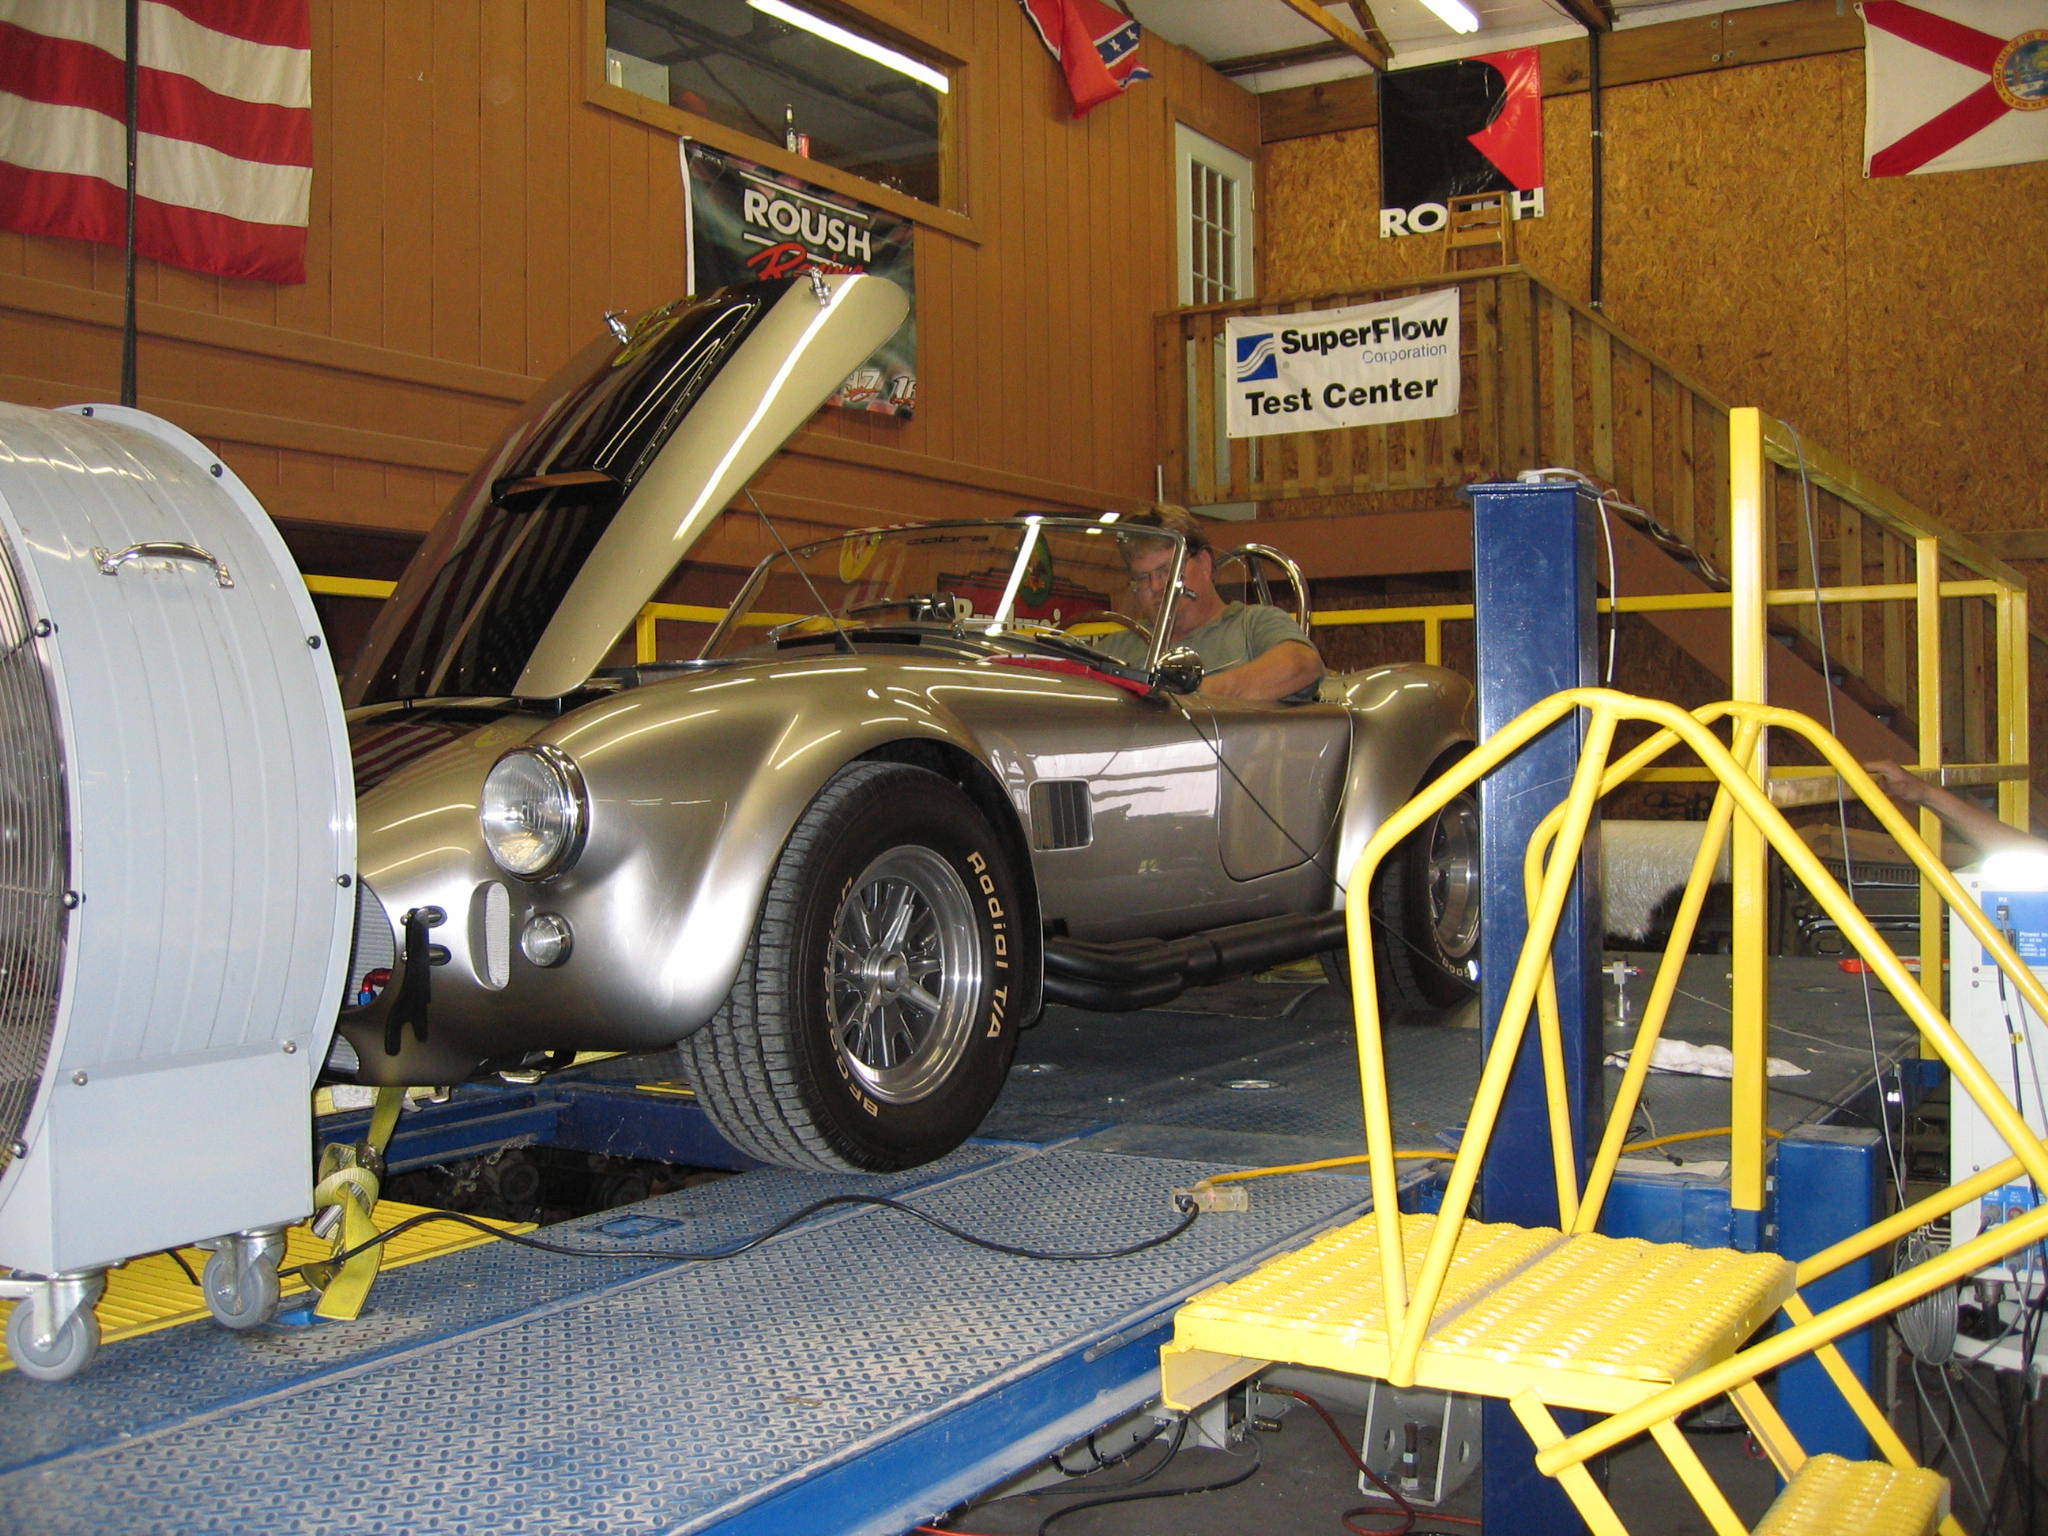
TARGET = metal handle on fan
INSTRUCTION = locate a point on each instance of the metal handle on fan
(110, 564)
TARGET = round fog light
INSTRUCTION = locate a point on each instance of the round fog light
(545, 939)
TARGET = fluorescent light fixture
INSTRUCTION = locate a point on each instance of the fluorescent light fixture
(1454, 14)
(853, 42)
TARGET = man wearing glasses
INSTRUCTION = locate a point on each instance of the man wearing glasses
(1248, 650)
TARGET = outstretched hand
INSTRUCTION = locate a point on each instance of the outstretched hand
(1905, 787)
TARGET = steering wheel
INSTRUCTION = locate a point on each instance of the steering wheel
(1111, 616)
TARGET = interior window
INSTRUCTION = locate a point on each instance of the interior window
(806, 78)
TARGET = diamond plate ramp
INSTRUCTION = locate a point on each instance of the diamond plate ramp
(756, 1393)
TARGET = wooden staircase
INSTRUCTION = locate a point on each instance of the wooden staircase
(1635, 1333)
(1923, 632)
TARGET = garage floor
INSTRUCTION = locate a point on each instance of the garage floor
(861, 1373)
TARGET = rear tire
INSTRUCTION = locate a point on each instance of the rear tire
(1425, 911)
(873, 1019)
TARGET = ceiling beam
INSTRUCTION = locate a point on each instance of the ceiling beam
(1593, 15)
(1252, 63)
(1373, 52)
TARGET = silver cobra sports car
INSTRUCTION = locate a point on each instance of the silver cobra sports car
(900, 801)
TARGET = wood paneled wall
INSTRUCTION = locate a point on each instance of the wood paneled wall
(1884, 319)
(474, 216)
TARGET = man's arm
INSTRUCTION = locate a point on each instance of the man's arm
(1286, 668)
(1967, 820)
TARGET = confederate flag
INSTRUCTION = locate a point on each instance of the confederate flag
(224, 122)
(1952, 85)
(1097, 47)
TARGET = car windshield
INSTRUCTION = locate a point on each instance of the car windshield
(1029, 577)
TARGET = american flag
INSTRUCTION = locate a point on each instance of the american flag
(224, 118)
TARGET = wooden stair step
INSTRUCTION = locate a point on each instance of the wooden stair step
(1871, 1498)
(1586, 1321)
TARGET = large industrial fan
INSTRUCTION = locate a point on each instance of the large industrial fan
(177, 850)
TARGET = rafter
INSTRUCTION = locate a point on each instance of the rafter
(1593, 15)
(1374, 53)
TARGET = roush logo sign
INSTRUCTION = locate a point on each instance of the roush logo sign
(1396, 361)
(743, 222)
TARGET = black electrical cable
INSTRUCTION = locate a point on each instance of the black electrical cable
(2017, 1463)
(1104, 1463)
(1596, 276)
(1134, 1494)
(1390, 930)
(2008, 1466)
(1179, 1426)
(1188, 1215)
(1216, 750)
(1407, 1510)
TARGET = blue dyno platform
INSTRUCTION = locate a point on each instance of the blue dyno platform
(858, 1374)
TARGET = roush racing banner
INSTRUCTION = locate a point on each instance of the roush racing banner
(1450, 130)
(746, 222)
(1352, 367)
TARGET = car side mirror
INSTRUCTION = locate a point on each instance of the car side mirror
(1179, 671)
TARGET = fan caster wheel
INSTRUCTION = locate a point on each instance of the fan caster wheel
(59, 1358)
(241, 1295)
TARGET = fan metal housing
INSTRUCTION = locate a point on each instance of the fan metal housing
(177, 847)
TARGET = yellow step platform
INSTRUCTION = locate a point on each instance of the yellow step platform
(153, 1292)
(1591, 1322)
(1829, 1494)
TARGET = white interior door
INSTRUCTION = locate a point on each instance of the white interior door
(1215, 214)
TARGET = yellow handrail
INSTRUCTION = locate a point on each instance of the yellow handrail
(1859, 1311)
(1552, 866)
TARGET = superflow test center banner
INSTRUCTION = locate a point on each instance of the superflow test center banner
(1353, 367)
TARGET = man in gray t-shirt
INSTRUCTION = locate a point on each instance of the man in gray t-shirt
(1248, 651)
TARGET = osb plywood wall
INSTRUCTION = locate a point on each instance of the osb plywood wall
(1887, 320)
(475, 214)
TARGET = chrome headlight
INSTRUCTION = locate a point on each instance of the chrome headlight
(534, 812)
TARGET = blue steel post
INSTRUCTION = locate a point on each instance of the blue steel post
(1533, 577)
(1828, 1189)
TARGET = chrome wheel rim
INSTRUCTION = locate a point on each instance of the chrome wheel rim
(1453, 875)
(904, 974)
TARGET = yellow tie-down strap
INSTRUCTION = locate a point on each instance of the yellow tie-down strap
(152, 1293)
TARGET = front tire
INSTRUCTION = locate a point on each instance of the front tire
(872, 1021)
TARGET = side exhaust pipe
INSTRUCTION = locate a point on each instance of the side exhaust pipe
(1138, 973)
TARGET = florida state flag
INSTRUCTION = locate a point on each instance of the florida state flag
(1953, 85)
(1097, 47)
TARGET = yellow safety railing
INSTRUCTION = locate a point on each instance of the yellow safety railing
(1552, 859)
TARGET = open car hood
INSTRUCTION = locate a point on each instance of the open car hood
(629, 453)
